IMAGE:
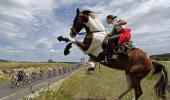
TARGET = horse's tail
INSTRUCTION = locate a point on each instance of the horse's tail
(160, 86)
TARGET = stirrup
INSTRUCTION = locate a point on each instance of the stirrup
(116, 51)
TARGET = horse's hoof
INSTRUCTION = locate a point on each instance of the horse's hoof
(60, 38)
(66, 51)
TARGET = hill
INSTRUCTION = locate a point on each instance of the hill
(161, 57)
(1, 60)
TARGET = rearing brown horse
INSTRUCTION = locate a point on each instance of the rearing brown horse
(136, 66)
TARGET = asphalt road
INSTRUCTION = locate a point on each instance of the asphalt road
(7, 93)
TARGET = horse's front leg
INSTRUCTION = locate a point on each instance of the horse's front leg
(80, 44)
(69, 45)
(85, 45)
(61, 38)
(71, 40)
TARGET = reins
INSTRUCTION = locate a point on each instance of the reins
(83, 33)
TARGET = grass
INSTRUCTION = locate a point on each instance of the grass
(28, 67)
(13, 65)
(3, 79)
(108, 84)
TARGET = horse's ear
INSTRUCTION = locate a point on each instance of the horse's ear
(78, 11)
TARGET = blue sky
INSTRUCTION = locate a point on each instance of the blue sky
(29, 28)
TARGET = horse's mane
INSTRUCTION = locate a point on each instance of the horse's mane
(86, 12)
(93, 16)
(89, 13)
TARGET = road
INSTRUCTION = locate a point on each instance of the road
(7, 93)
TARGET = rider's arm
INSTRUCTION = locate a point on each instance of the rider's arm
(117, 22)
(121, 22)
(113, 28)
(110, 34)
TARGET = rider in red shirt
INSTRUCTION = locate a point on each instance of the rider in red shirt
(119, 33)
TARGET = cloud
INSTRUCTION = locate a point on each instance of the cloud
(149, 20)
(29, 28)
(43, 44)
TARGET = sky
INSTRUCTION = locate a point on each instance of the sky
(29, 28)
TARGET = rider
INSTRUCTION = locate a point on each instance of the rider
(119, 33)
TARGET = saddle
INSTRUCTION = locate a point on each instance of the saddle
(124, 48)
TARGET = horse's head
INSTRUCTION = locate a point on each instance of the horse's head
(79, 22)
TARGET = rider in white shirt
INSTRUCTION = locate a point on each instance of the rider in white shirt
(119, 33)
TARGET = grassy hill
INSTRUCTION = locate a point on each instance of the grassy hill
(99, 86)
(161, 57)
(1, 60)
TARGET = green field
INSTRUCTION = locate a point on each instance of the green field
(9, 67)
(4, 79)
(107, 85)
(12, 65)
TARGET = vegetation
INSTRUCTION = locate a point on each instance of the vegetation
(50, 61)
(7, 68)
(105, 85)
(12, 65)
(161, 57)
(1, 60)
(4, 79)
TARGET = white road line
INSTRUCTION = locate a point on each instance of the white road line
(7, 96)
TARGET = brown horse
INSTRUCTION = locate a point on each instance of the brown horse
(136, 65)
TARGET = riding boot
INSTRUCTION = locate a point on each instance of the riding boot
(112, 42)
(110, 51)
(109, 55)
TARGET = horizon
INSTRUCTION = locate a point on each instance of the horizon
(61, 61)
(29, 29)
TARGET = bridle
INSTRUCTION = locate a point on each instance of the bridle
(87, 29)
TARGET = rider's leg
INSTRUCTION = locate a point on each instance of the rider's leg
(112, 42)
